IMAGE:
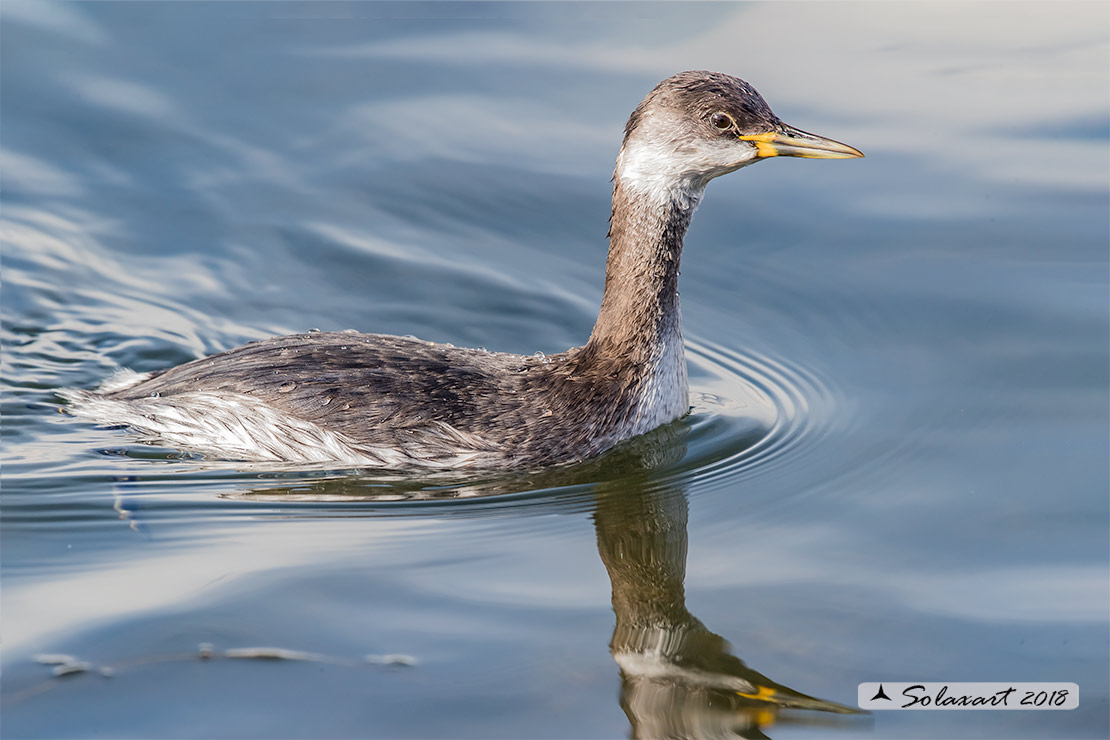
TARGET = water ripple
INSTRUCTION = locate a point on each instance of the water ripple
(763, 413)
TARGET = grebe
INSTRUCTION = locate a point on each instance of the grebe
(391, 402)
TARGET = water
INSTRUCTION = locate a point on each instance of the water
(895, 468)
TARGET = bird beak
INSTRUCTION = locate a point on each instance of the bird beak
(792, 142)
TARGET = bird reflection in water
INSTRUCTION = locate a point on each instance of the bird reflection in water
(678, 678)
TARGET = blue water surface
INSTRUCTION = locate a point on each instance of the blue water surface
(896, 464)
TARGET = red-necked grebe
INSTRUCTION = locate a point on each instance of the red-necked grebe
(385, 401)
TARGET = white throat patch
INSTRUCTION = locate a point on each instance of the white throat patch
(662, 162)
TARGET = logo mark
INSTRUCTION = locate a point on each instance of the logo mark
(880, 694)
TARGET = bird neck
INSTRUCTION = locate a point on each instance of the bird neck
(639, 317)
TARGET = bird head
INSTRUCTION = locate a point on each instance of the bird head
(698, 125)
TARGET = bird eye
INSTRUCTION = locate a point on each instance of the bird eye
(721, 120)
